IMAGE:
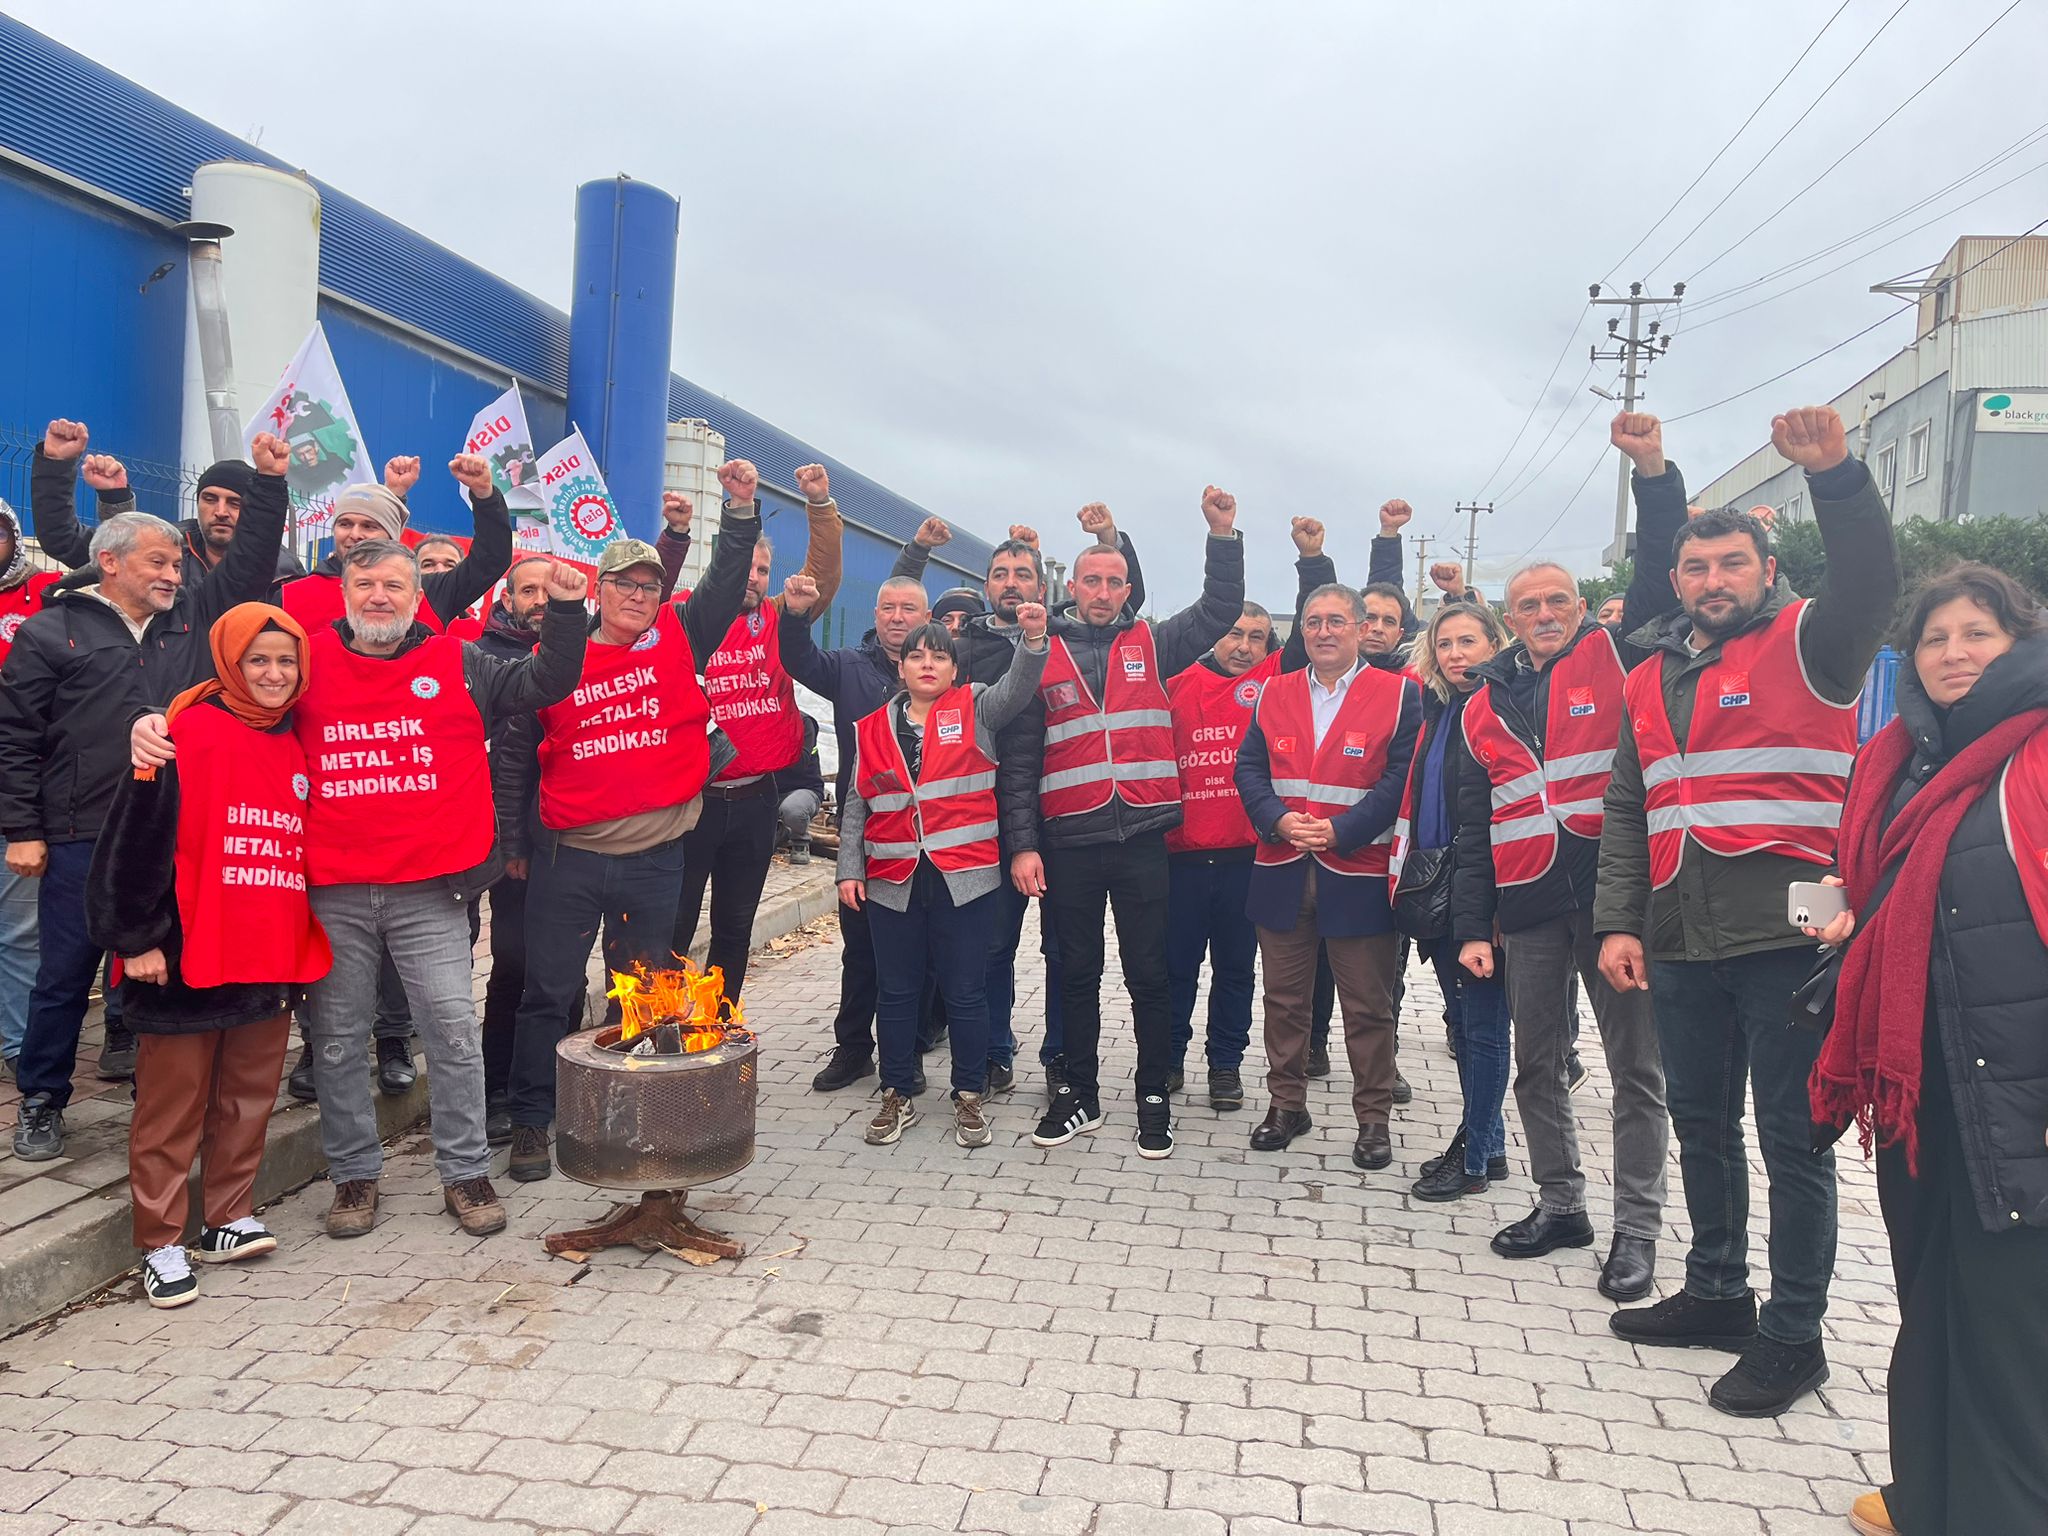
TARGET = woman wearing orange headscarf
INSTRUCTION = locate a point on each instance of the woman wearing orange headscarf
(199, 885)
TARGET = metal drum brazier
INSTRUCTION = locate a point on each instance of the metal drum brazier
(653, 1122)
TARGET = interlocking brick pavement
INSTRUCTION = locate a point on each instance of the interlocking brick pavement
(924, 1338)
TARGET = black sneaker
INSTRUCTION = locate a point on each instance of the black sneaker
(1575, 1073)
(1448, 1180)
(1176, 1080)
(1226, 1088)
(39, 1135)
(395, 1071)
(243, 1238)
(117, 1057)
(1155, 1127)
(1402, 1092)
(498, 1120)
(167, 1278)
(1318, 1060)
(1769, 1378)
(848, 1065)
(1067, 1118)
(1685, 1321)
(1055, 1077)
(300, 1083)
(1002, 1077)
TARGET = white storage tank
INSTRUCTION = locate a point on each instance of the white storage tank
(695, 455)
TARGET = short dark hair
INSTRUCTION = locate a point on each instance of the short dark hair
(1386, 589)
(932, 637)
(1719, 524)
(1353, 599)
(1019, 547)
(2017, 610)
(1252, 610)
(437, 538)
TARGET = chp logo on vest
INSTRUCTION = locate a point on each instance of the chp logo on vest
(1133, 660)
(1355, 743)
(950, 727)
(426, 688)
(1246, 693)
(302, 786)
(1734, 690)
(1580, 702)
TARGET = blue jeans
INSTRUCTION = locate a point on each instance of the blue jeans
(66, 965)
(1001, 985)
(1205, 914)
(1723, 1029)
(950, 944)
(569, 893)
(17, 954)
(1478, 1013)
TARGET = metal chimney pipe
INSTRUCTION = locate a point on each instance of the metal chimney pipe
(216, 355)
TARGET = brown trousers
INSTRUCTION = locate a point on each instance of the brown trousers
(1364, 969)
(208, 1094)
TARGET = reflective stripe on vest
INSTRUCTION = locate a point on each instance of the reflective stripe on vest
(1329, 779)
(948, 814)
(1767, 762)
(1120, 745)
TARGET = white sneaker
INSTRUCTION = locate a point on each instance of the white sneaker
(167, 1279)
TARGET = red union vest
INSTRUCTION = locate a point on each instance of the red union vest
(1765, 766)
(1568, 788)
(752, 698)
(631, 738)
(240, 860)
(316, 602)
(17, 603)
(1329, 780)
(948, 814)
(1210, 715)
(1122, 745)
(395, 750)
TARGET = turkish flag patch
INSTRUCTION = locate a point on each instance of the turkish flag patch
(1283, 743)
(1062, 696)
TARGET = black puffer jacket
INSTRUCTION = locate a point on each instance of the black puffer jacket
(1988, 986)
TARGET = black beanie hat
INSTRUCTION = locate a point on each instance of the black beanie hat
(229, 475)
(959, 600)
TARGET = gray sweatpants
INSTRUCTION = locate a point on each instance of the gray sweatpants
(426, 930)
(1540, 964)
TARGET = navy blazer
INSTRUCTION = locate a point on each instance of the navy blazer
(1347, 906)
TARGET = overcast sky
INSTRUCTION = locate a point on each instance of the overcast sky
(1011, 260)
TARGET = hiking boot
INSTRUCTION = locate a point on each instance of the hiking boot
(475, 1204)
(117, 1058)
(1403, 1094)
(970, 1126)
(498, 1119)
(39, 1135)
(1066, 1118)
(1226, 1088)
(1448, 1180)
(1769, 1378)
(1685, 1321)
(300, 1083)
(243, 1238)
(529, 1154)
(1155, 1127)
(847, 1066)
(395, 1071)
(1002, 1077)
(896, 1116)
(354, 1210)
(1318, 1060)
(167, 1278)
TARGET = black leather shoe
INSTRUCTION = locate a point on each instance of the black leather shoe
(1318, 1061)
(1374, 1147)
(1402, 1092)
(1769, 1378)
(1226, 1089)
(847, 1067)
(1685, 1321)
(395, 1071)
(1631, 1266)
(1448, 1181)
(1542, 1232)
(1176, 1080)
(1280, 1127)
(1454, 1154)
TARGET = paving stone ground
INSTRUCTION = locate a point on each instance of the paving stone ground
(925, 1339)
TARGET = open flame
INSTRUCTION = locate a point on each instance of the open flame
(692, 999)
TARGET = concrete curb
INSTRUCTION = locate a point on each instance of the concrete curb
(67, 1255)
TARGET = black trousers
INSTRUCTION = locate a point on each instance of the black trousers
(1132, 880)
(507, 982)
(729, 849)
(854, 1025)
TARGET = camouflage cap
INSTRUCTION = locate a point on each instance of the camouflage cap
(622, 553)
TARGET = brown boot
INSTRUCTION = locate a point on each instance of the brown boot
(475, 1204)
(354, 1210)
(529, 1153)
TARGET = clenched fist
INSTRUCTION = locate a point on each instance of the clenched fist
(1394, 516)
(676, 511)
(473, 470)
(1811, 437)
(740, 479)
(931, 533)
(402, 473)
(799, 595)
(1641, 436)
(1023, 533)
(1031, 620)
(104, 472)
(816, 485)
(64, 439)
(271, 454)
(1449, 576)
(1096, 522)
(1219, 509)
(1307, 533)
(565, 583)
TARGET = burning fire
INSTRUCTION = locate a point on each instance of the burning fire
(687, 997)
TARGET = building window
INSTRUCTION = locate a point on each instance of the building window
(1887, 470)
(1795, 509)
(1916, 452)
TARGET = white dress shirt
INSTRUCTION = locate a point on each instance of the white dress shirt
(1323, 703)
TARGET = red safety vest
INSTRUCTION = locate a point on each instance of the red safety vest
(1328, 780)
(1765, 765)
(17, 603)
(1568, 787)
(240, 861)
(2023, 811)
(316, 602)
(752, 698)
(948, 814)
(631, 738)
(1210, 715)
(395, 750)
(1122, 745)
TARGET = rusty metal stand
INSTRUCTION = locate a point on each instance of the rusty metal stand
(655, 1225)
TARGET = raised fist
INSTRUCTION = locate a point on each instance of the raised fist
(1096, 522)
(1641, 436)
(1449, 576)
(816, 485)
(402, 473)
(104, 472)
(740, 479)
(1307, 533)
(799, 595)
(1394, 516)
(1031, 620)
(676, 511)
(931, 533)
(64, 439)
(271, 454)
(1219, 509)
(1811, 437)
(472, 469)
(1021, 533)
(565, 583)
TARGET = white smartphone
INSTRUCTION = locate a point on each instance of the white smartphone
(1809, 904)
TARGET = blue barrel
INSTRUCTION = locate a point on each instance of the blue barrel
(619, 328)
(1879, 702)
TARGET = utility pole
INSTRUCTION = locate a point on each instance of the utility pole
(1472, 537)
(1635, 352)
(1421, 541)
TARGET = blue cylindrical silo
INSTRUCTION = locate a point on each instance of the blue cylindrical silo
(619, 328)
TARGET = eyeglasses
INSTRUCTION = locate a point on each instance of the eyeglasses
(1334, 624)
(633, 588)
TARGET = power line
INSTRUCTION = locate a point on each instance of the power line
(1557, 421)
(1563, 351)
(1768, 97)
(1537, 542)
(1570, 437)
(1845, 154)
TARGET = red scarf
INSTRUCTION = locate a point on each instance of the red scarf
(1869, 1067)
